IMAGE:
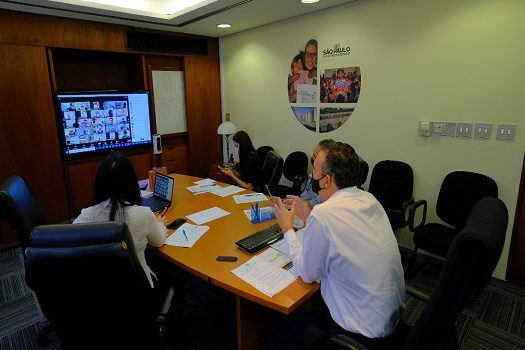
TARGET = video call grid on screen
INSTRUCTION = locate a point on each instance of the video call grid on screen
(163, 186)
(92, 122)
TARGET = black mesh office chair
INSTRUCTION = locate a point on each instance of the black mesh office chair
(392, 183)
(92, 288)
(271, 172)
(263, 152)
(459, 192)
(295, 170)
(469, 264)
(19, 208)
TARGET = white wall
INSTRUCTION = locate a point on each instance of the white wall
(447, 60)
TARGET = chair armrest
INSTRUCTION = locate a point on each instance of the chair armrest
(299, 182)
(162, 318)
(412, 213)
(341, 341)
(404, 210)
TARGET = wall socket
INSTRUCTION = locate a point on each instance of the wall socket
(483, 131)
(506, 132)
(464, 130)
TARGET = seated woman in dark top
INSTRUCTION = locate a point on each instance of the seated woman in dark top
(246, 172)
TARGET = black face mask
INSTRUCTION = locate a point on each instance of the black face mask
(315, 185)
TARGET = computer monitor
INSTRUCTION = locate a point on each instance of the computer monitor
(98, 121)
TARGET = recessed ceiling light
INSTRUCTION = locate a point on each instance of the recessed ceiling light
(309, 1)
(224, 25)
(163, 9)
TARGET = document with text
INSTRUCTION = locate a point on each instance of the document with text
(269, 272)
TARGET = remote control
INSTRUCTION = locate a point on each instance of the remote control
(226, 258)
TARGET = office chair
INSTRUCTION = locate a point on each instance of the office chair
(19, 208)
(459, 192)
(363, 172)
(263, 152)
(92, 288)
(392, 183)
(295, 170)
(271, 172)
(470, 261)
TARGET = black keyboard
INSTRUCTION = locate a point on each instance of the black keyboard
(261, 239)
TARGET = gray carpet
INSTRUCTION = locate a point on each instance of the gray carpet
(496, 320)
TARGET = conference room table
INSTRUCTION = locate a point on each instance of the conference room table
(255, 311)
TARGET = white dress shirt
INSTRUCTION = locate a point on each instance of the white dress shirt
(349, 245)
(142, 223)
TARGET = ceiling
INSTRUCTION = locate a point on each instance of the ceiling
(241, 14)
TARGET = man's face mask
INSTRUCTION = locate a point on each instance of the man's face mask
(316, 187)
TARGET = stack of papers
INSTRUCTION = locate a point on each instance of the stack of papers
(249, 198)
(186, 235)
(227, 191)
(269, 272)
(199, 189)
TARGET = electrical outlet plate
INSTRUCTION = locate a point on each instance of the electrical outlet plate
(506, 132)
(425, 128)
(483, 131)
(450, 129)
(438, 128)
(464, 130)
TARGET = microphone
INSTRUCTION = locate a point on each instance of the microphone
(157, 150)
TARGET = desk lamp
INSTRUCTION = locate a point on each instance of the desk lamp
(226, 129)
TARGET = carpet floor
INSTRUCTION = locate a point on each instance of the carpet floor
(496, 320)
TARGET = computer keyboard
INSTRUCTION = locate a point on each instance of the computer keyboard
(260, 239)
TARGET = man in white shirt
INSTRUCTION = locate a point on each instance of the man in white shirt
(348, 245)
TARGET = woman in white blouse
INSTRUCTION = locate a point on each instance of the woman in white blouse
(117, 198)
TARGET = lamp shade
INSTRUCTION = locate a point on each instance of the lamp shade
(227, 128)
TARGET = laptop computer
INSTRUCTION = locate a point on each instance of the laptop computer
(162, 193)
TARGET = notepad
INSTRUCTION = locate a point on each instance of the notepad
(204, 216)
(186, 235)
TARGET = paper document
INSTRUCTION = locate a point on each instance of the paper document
(186, 235)
(204, 182)
(204, 216)
(266, 277)
(198, 189)
(227, 191)
(279, 259)
(249, 198)
(282, 245)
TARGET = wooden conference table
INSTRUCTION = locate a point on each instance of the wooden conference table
(255, 310)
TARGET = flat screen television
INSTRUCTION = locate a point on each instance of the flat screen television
(98, 121)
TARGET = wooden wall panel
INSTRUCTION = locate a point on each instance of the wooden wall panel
(203, 112)
(40, 30)
(29, 141)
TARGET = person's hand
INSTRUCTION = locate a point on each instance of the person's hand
(162, 220)
(289, 200)
(302, 208)
(227, 171)
(284, 216)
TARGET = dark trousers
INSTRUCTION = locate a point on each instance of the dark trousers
(308, 330)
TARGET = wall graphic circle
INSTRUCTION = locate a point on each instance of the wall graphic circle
(328, 105)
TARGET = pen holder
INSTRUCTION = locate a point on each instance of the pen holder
(261, 215)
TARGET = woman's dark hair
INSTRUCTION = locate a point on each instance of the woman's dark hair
(116, 180)
(245, 144)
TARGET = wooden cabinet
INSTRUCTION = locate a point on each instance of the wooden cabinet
(175, 153)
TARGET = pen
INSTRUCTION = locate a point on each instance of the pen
(184, 233)
(267, 189)
(251, 194)
(163, 211)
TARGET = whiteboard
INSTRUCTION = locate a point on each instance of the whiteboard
(170, 109)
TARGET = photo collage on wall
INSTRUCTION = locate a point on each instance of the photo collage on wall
(329, 97)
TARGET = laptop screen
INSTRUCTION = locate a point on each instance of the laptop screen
(163, 186)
